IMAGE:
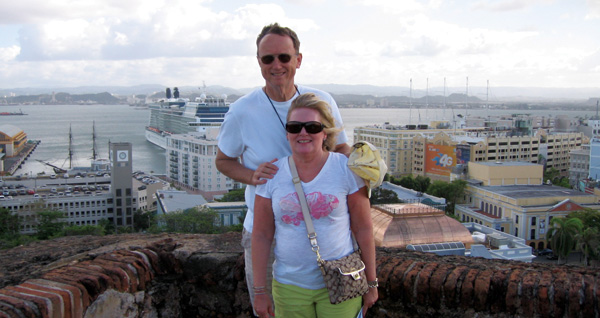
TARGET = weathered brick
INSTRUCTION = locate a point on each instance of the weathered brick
(436, 283)
(452, 286)
(423, 279)
(86, 299)
(513, 297)
(481, 290)
(411, 280)
(54, 302)
(134, 281)
(561, 292)
(75, 294)
(66, 304)
(467, 288)
(119, 277)
(590, 300)
(10, 310)
(396, 281)
(528, 291)
(497, 293)
(39, 306)
(575, 290)
(545, 294)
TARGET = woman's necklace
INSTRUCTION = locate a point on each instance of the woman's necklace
(274, 109)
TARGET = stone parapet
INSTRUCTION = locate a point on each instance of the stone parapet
(180, 275)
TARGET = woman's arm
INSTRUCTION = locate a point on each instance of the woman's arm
(262, 237)
(362, 228)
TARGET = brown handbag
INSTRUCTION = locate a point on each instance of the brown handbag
(345, 278)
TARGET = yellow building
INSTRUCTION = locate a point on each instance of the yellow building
(12, 140)
(511, 197)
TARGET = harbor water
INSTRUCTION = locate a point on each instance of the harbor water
(122, 123)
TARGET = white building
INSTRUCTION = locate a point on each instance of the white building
(191, 163)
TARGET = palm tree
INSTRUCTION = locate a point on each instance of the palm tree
(563, 235)
(588, 242)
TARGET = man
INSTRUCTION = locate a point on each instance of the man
(254, 126)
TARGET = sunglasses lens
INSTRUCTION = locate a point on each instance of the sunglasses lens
(284, 58)
(293, 127)
(267, 59)
(313, 128)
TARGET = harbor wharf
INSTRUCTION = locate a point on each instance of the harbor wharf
(11, 164)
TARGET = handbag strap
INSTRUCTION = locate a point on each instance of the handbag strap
(310, 228)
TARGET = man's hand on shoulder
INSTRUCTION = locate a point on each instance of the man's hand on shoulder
(265, 171)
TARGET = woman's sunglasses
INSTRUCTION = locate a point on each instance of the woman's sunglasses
(283, 58)
(312, 127)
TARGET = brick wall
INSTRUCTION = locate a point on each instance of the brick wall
(202, 276)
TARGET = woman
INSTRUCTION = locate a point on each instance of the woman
(338, 204)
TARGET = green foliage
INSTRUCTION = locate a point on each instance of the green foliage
(109, 227)
(421, 183)
(83, 230)
(49, 224)
(562, 235)
(588, 243)
(194, 220)
(16, 241)
(383, 196)
(234, 196)
(589, 217)
(407, 182)
(450, 191)
(142, 220)
(554, 176)
(9, 224)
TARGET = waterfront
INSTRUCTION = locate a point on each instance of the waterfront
(122, 123)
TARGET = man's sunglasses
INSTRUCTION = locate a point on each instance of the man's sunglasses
(283, 58)
(312, 127)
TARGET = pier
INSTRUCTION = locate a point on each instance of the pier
(12, 164)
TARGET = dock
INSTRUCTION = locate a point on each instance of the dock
(12, 164)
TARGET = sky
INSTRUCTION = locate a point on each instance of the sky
(510, 43)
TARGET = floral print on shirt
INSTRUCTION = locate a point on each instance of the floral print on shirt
(321, 205)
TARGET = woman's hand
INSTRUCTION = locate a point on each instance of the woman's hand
(369, 299)
(263, 306)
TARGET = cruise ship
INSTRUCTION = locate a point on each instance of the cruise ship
(179, 116)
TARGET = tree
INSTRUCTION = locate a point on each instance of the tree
(176, 92)
(563, 235)
(49, 224)
(590, 218)
(168, 93)
(383, 196)
(450, 191)
(236, 195)
(421, 183)
(9, 224)
(194, 220)
(142, 220)
(588, 243)
(407, 182)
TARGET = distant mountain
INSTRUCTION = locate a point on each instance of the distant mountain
(494, 94)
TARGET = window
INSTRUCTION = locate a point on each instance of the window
(516, 219)
(516, 231)
(532, 237)
(533, 220)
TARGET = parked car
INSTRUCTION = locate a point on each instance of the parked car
(543, 252)
(552, 256)
(30, 191)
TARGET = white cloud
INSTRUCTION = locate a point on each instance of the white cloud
(594, 9)
(9, 53)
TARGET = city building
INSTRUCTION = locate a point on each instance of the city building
(229, 213)
(191, 163)
(511, 197)
(436, 156)
(121, 183)
(395, 143)
(12, 139)
(579, 162)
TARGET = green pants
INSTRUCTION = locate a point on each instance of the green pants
(296, 302)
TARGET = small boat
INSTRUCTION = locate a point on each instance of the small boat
(12, 113)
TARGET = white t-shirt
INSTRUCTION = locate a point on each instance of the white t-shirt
(326, 195)
(251, 130)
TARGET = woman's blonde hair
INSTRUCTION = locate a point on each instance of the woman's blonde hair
(311, 101)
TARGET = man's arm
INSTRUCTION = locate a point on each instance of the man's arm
(232, 168)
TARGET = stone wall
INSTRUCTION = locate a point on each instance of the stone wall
(203, 276)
